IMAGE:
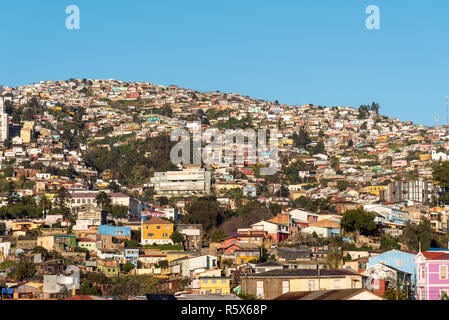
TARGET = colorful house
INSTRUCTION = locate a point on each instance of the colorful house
(115, 231)
(433, 274)
(110, 268)
(157, 231)
(401, 260)
(215, 285)
(88, 244)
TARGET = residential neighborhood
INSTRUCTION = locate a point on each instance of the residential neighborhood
(93, 208)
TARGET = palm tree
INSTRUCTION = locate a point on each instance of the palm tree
(44, 203)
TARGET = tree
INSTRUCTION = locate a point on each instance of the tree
(218, 235)
(413, 235)
(394, 294)
(41, 250)
(205, 211)
(387, 242)
(114, 186)
(163, 201)
(132, 243)
(359, 221)
(441, 176)
(2, 228)
(334, 256)
(342, 185)
(103, 200)
(44, 203)
(301, 139)
(88, 289)
(127, 267)
(24, 270)
(62, 197)
(177, 237)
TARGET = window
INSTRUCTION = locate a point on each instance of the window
(165, 235)
(259, 290)
(337, 284)
(150, 235)
(214, 281)
(218, 291)
(311, 284)
(285, 286)
(443, 291)
(223, 281)
(443, 272)
(204, 280)
(158, 227)
(423, 272)
(399, 262)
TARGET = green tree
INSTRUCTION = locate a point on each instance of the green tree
(415, 234)
(205, 211)
(394, 294)
(88, 289)
(127, 267)
(24, 270)
(45, 203)
(359, 221)
(387, 242)
(103, 200)
(177, 237)
(62, 198)
(218, 235)
(441, 176)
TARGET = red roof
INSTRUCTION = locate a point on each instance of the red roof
(85, 297)
(432, 255)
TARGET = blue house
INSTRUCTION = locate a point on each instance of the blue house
(401, 260)
(132, 255)
(115, 231)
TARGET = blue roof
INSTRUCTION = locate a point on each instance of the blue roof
(114, 231)
(437, 249)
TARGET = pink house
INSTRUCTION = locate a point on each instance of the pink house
(432, 269)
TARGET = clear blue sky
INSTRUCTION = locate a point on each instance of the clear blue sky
(294, 51)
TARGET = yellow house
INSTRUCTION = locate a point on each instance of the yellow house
(425, 157)
(22, 225)
(175, 255)
(381, 138)
(157, 231)
(217, 285)
(47, 242)
(374, 189)
(25, 132)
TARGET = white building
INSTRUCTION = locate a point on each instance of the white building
(4, 127)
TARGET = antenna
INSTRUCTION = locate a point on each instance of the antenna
(447, 110)
(436, 121)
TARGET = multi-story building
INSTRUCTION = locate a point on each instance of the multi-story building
(185, 182)
(156, 231)
(432, 268)
(417, 191)
(4, 122)
(80, 199)
(214, 285)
